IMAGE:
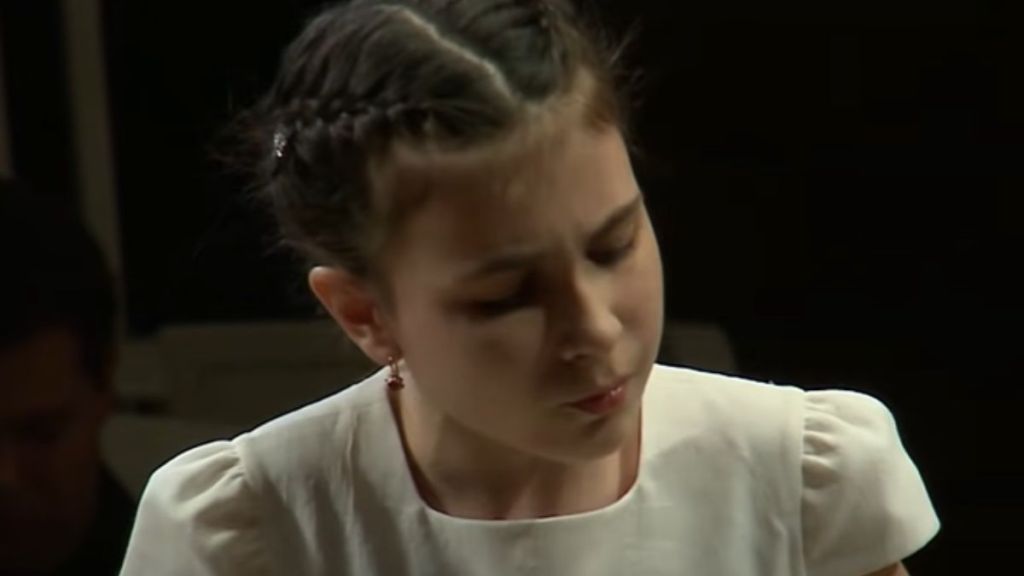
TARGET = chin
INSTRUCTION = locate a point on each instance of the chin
(601, 436)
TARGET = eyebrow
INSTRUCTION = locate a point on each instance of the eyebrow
(620, 216)
(515, 259)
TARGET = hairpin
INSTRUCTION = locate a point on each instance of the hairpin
(280, 143)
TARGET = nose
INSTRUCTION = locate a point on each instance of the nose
(591, 325)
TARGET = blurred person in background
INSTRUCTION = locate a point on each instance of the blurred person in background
(61, 509)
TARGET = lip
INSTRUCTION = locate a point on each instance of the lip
(604, 400)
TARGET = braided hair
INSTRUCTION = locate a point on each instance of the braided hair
(367, 75)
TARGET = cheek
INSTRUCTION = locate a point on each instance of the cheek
(514, 343)
(642, 293)
(445, 349)
(494, 347)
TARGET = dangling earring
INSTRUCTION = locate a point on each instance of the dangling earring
(395, 381)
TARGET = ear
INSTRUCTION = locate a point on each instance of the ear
(357, 309)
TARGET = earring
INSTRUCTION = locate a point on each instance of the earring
(395, 381)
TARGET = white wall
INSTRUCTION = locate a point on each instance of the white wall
(90, 124)
(238, 374)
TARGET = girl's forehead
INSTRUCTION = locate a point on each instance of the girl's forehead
(531, 196)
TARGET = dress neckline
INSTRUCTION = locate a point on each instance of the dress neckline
(395, 450)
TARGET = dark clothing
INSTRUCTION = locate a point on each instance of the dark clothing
(103, 550)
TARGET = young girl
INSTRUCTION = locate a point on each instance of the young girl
(458, 175)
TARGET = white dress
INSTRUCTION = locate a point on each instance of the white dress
(736, 478)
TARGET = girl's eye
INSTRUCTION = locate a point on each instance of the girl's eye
(492, 308)
(614, 255)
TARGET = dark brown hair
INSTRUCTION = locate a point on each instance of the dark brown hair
(447, 75)
(54, 276)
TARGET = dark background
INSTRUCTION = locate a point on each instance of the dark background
(838, 186)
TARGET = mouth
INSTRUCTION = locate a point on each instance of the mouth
(604, 401)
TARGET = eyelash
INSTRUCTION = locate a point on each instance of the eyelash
(501, 306)
(615, 255)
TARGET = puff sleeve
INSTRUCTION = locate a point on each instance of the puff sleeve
(864, 505)
(198, 516)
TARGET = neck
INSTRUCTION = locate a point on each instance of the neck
(461, 473)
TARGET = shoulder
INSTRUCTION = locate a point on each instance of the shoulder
(736, 438)
(323, 419)
(711, 389)
(222, 504)
(811, 422)
(829, 461)
(307, 449)
(686, 401)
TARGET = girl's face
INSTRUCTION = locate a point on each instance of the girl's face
(526, 284)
